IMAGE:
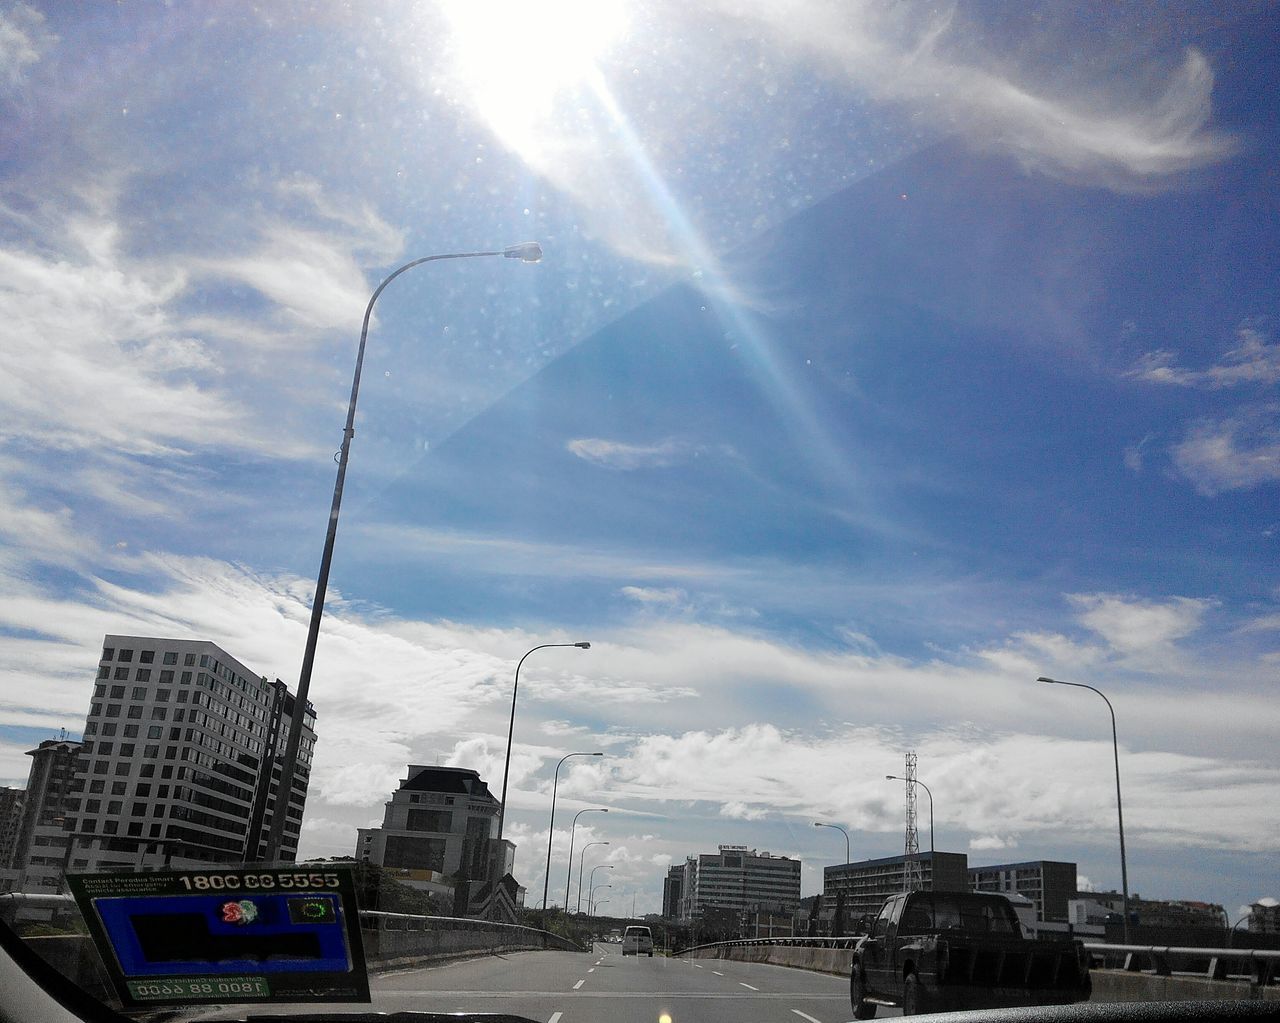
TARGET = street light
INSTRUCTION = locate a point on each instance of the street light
(591, 898)
(933, 866)
(506, 767)
(546, 876)
(528, 252)
(848, 856)
(600, 903)
(569, 873)
(1115, 749)
(581, 860)
(591, 885)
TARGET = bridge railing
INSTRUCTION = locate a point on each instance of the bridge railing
(398, 936)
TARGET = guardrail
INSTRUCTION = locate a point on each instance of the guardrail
(392, 937)
(1257, 966)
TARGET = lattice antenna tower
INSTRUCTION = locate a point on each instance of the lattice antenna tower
(912, 876)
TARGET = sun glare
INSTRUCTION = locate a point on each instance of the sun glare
(513, 59)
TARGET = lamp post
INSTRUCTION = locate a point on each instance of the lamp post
(591, 885)
(932, 865)
(569, 873)
(511, 728)
(602, 901)
(581, 861)
(1115, 749)
(546, 876)
(848, 856)
(591, 898)
(529, 252)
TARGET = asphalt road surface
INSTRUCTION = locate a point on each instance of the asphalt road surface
(561, 987)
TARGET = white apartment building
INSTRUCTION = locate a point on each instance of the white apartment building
(171, 766)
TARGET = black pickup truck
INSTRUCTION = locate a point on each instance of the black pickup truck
(941, 951)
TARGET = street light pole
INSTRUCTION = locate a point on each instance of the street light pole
(848, 856)
(1115, 749)
(933, 866)
(506, 767)
(581, 861)
(592, 886)
(546, 876)
(569, 873)
(591, 898)
(529, 252)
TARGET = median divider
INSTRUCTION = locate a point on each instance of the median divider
(402, 940)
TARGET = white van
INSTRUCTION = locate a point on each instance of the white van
(637, 941)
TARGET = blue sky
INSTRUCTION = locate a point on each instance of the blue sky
(883, 358)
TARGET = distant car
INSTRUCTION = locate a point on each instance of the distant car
(637, 941)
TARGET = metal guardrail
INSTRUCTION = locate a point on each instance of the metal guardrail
(1258, 966)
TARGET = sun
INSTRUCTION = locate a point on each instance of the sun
(514, 60)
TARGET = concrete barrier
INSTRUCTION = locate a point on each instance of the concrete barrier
(819, 960)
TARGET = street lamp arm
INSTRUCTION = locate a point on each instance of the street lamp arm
(529, 252)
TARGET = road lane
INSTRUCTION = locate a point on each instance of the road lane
(605, 986)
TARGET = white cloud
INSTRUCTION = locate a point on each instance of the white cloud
(1137, 628)
(654, 595)
(24, 40)
(985, 843)
(1252, 361)
(614, 454)
(1239, 453)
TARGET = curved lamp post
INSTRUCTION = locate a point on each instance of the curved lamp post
(546, 876)
(506, 767)
(582, 856)
(848, 856)
(591, 898)
(569, 873)
(528, 252)
(1115, 749)
(932, 865)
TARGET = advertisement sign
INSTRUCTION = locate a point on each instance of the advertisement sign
(219, 936)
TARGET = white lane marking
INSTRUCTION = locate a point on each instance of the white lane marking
(717, 973)
(698, 965)
(748, 986)
(591, 969)
(555, 1017)
(802, 1015)
(578, 985)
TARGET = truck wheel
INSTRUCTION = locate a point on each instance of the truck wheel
(911, 995)
(862, 1009)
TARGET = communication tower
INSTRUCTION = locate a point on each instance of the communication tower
(912, 875)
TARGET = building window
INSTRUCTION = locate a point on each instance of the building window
(151, 752)
(122, 673)
(139, 692)
(162, 695)
(113, 710)
(119, 788)
(186, 678)
(139, 810)
(109, 728)
(171, 657)
(154, 731)
(96, 785)
(110, 827)
(166, 771)
(189, 660)
(126, 655)
(99, 767)
(182, 696)
(135, 829)
(204, 660)
(147, 656)
(114, 806)
(157, 713)
(93, 806)
(135, 710)
(144, 675)
(171, 752)
(166, 678)
(126, 749)
(122, 767)
(130, 731)
(148, 770)
(117, 692)
(155, 830)
(175, 734)
(162, 792)
(91, 728)
(104, 749)
(108, 653)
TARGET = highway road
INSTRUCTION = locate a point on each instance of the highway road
(561, 987)
(567, 987)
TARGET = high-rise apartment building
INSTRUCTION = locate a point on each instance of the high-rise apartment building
(11, 804)
(41, 845)
(737, 878)
(181, 758)
(867, 883)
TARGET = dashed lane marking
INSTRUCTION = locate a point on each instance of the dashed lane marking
(802, 1015)
(578, 985)
(555, 1017)
(717, 973)
(748, 986)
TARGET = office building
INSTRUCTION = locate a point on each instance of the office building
(40, 845)
(1264, 918)
(738, 879)
(439, 835)
(867, 883)
(181, 759)
(1049, 884)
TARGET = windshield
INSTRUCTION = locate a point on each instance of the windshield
(561, 467)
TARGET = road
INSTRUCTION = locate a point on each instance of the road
(560, 987)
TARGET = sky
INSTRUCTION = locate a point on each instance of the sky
(883, 358)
